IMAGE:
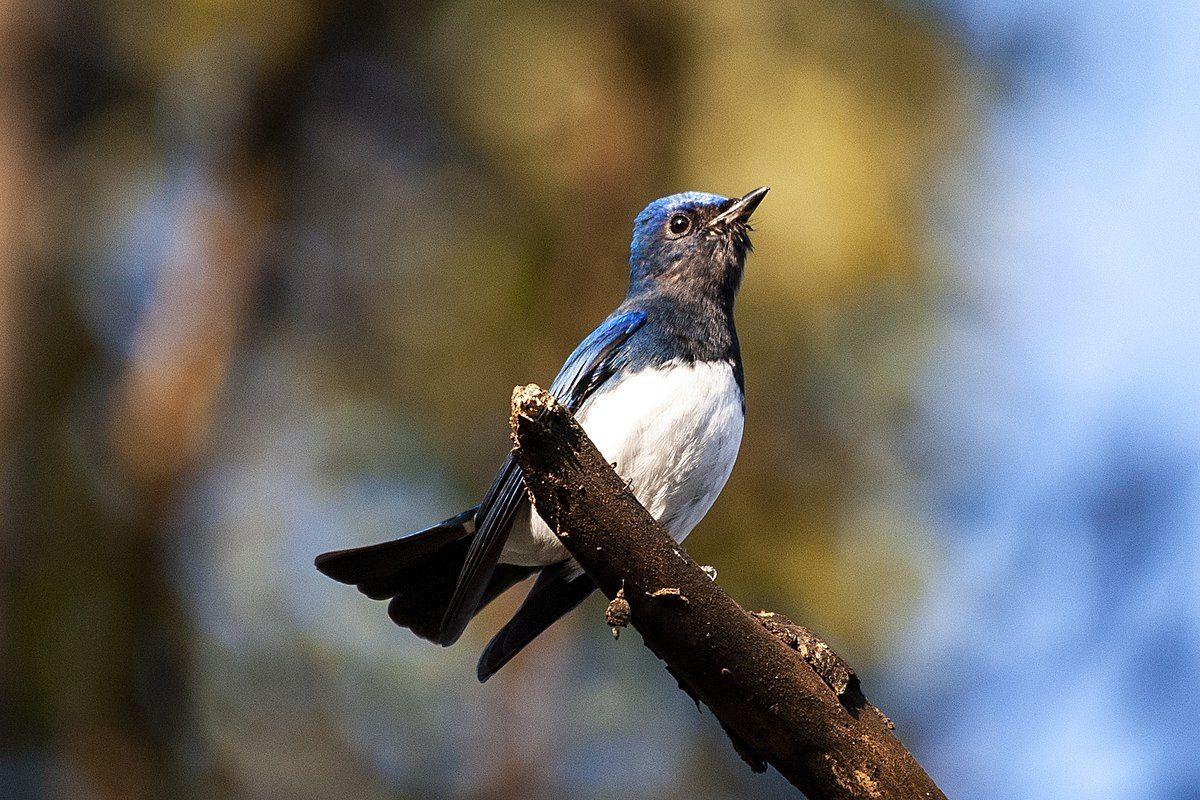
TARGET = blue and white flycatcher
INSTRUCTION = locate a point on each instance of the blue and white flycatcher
(657, 386)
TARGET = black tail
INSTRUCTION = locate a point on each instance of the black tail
(558, 590)
(417, 572)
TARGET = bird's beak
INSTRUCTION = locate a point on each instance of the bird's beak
(742, 208)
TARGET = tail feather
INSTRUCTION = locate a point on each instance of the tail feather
(558, 590)
(421, 606)
(417, 573)
(376, 564)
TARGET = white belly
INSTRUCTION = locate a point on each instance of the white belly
(673, 432)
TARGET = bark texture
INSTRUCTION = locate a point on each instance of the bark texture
(783, 696)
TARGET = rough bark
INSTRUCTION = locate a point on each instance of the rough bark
(781, 694)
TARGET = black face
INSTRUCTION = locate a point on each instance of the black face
(693, 243)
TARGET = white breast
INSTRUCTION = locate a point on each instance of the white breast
(673, 432)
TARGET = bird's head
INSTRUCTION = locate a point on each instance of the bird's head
(692, 242)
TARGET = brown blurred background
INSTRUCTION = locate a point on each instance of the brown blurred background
(269, 271)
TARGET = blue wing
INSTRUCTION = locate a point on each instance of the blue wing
(596, 359)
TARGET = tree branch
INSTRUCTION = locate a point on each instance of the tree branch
(783, 696)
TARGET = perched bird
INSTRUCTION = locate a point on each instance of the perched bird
(658, 388)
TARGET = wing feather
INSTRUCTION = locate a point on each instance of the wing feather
(596, 359)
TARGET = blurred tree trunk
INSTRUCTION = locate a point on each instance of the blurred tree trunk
(19, 213)
(19, 217)
(99, 646)
(96, 648)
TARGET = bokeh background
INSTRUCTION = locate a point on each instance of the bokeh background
(269, 271)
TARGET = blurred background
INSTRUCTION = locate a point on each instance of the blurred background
(269, 271)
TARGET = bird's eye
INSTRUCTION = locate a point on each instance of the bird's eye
(680, 224)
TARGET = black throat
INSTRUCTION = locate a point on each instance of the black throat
(684, 326)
